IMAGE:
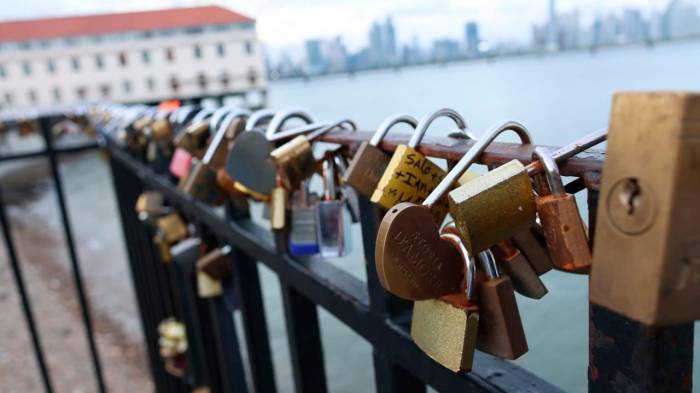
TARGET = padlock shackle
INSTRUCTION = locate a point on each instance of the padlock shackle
(331, 127)
(551, 172)
(472, 154)
(469, 265)
(428, 119)
(301, 130)
(202, 115)
(183, 114)
(488, 262)
(565, 152)
(388, 123)
(329, 186)
(220, 134)
(219, 114)
(283, 116)
(258, 117)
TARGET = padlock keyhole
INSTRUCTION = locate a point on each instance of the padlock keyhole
(631, 195)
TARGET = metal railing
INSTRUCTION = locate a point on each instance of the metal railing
(624, 355)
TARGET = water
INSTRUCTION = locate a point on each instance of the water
(558, 98)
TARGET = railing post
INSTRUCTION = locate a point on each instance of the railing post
(45, 124)
(626, 356)
(24, 296)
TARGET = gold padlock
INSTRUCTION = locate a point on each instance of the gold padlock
(150, 204)
(509, 187)
(170, 229)
(370, 162)
(447, 331)
(646, 255)
(295, 160)
(212, 268)
(410, 176)
(278, 204)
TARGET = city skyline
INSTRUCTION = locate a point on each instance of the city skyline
(562, 30)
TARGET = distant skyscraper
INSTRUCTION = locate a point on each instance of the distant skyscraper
(471, 35)
(681, 20)
(314, 57)
(445, 50)
(553, 30)
(633, 26)
(389, 41)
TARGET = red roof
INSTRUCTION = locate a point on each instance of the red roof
(35, 29)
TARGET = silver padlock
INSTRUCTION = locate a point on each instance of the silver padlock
(329, 215)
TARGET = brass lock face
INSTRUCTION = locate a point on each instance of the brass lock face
(410, 177)
(493, 207)
(631, 206)
(172, 227)
(294, 161)
(412, 261)
(364, 174)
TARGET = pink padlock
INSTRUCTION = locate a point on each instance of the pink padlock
(181, 163)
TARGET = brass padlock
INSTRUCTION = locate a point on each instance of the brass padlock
(278, 204)
(514, 264)
(173, 346)
(561, 221)
(447, 332)
(412, 261)
(410, 176)
(501, 331)
(646, 255)
(534, 247)
(510, 189)
(149, 204)
(370, 162)
(170, 229)
(213, 268)
(295, 160)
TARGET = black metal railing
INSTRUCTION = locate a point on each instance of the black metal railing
(624, 355)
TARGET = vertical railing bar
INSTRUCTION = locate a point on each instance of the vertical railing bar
(137, 259)
(24, 296)
(388, 376)
(45, 125)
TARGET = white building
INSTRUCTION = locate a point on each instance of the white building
(129, 57)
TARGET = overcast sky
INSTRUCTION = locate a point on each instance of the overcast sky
(286, 23)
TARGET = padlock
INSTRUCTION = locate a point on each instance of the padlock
(181, 163)
(646, 255)
(303, 239)
(532, 244)
(412, 261)
(169, 230)
(201, 182)
(561, 221)
(349, 195)
(514, 264)
(149, 204)
(278, 206)
(295, 160)
(370, 162)
(501, 330)
(159, 130)
(329, 215)
(195, 136)
(248, 161)
(173, 346)
(410, 176)
(212, 268)
(447, 332)
(501, 203)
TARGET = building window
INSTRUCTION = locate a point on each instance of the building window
(174, 83)
(248, 47)
(126, 85)
(122, 59)
(252, 76)
(8, 98)
(225, 80)
(81, 92)
(56, 95)
(32, 96)
(169, 54)
(146, 56)
(150, 84)
(26, 68)
(75, 62)
(197, 52)
(105, 91)
(2, 72)
(221, 49)
(99, 62)
(202, 81)
(51, 66)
